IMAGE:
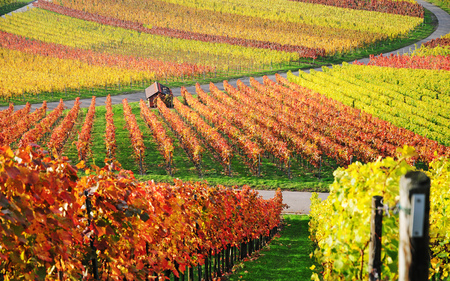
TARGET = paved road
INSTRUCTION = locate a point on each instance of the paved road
(298, 201)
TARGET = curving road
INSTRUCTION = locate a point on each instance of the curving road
(298, 202)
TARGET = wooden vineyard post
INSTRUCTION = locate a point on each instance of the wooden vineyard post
(227, 258)
(320, 166)
(191, 273)
(170, 165)
(206, 268)
(414, 214)
(289, 168)
(175, 278)
(259, 165)
(376, 220)
(200, 167)
(91, 240)
(140, 163)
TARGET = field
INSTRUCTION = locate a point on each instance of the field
(271, 134)
(322, 130)
(128, 50)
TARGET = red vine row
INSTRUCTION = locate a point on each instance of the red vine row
(249, 148)
(110, 130)
(212, 137)
(109, 226)
(84, 137)
(186, 136)
(61, 133)
(404, 8)
(159, 133)
(14, 132)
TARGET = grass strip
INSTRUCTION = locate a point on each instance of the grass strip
(285, 258)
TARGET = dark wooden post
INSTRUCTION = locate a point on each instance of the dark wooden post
(376, 223)
(175, 278)
(191, 273)
(227, 258)
(91, 240)
(206, 268)
(259, 165)
(414, 255)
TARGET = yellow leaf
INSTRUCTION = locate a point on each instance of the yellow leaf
(80, 165)
(407, 151)
(315, 277)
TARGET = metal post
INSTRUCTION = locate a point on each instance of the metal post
(414, 214)
(376, 221)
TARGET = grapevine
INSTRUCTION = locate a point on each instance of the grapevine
(186, 136)
(165, 143)
(61, 133)
(136, 137)
(84, 136)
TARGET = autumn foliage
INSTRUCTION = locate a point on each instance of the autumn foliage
(62, 131)
(136, 137)
(134, 230)
(413, 62)
(165, 143)
(110, 131)
(406, 8)
(84, 137)
(182, 34)
(13, 132)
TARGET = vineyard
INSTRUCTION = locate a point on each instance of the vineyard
(107, 225)
(133, 43)
(340, 225)
(398, 96)
(112, 191)
(275, 129)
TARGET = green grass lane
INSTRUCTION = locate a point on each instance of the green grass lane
(285, 258)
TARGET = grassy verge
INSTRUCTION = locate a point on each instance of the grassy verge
(444, 5)
(419, 33)
(285, 258)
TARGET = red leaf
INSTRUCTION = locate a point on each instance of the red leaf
(12, 172)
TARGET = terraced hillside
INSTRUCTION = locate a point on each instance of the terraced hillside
(132, 43)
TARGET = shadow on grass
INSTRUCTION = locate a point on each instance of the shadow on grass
(285, 258)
